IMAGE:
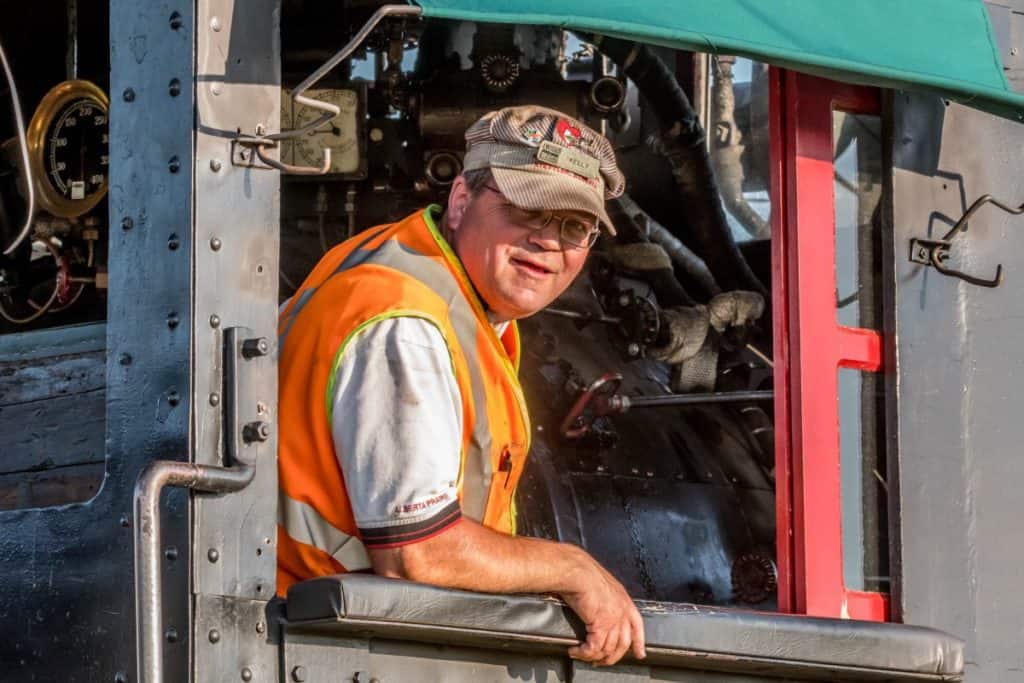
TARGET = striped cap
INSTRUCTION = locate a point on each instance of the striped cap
(542, 159)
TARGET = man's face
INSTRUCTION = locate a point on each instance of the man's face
(515, 269)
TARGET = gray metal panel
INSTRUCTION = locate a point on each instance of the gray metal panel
(65, 573)
(236, 251)
(316, 659)
(234, 635)
(960, 369)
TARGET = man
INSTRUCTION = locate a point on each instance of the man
(403, 426)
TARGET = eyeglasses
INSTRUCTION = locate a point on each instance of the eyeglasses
(572, 231)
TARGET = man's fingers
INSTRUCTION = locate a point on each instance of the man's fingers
(639, 640)
(622, 640)
(593, 649)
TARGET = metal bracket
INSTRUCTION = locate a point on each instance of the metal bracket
(935, 253)
(262, 143)
(246, 419)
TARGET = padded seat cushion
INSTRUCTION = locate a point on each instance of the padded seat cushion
(834, 643)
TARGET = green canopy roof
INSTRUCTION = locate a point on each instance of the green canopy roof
(944, 46)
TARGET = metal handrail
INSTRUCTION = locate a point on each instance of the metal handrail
(148, 590)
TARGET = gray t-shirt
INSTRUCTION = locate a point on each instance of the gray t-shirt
(397, 427)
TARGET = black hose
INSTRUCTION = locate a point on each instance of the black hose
(682, 143)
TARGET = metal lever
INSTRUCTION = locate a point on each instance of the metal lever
(600, 399)
(262, 142)
(935, 253)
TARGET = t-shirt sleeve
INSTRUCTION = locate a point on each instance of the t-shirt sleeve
(397, 429)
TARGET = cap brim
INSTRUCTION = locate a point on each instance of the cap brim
(540, 190)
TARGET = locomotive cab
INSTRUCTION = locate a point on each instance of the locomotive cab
(783, 500)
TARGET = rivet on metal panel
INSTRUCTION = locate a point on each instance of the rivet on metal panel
(171, 553)
(125, 359)
(214, 635)
(214, 399)
(215, 165)
(246, 674)
(120, 677)
(215, 24)
(261, 627)
(171, 635)
(172, 320)
(173, 398)
(299, 674)
(173, 164)
(175, 21)
(215, 244)
(173, 243)
(128, 95)
(212, 555)
(125, 521)
(214, 321)
(215, 87)
(174, 87)
(127, 223)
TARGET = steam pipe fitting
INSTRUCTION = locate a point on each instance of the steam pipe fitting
(607, 95)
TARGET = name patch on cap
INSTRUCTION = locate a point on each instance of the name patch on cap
(568, 159)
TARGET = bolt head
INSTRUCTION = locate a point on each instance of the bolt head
(261, 627)
(173, 164)
(128, 95)
(247, 674)
(215, 244)
(127, 223)
(212, 555)
(215, 165)
(299, 674)
(215, 24)
(214, 635)
(171, 553)
(215, 321)
(214, 399)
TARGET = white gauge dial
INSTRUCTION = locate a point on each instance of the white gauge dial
(340, 135)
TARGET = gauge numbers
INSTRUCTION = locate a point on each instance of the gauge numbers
(340, 135)
(69, 148)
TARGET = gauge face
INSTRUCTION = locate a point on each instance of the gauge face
(68, 140)
(341, 134)
(76, 156)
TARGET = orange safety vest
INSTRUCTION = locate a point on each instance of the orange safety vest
(403, 269)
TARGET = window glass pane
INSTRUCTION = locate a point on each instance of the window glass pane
(858, 190)
(738, 142)
(865, 517)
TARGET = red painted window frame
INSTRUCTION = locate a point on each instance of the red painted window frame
(810, 346)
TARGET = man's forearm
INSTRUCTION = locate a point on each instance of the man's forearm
(473, 557)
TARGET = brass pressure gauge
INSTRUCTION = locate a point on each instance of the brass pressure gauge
(68, 148)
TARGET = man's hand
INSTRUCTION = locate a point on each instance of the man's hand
(472, 557)
(612, 620)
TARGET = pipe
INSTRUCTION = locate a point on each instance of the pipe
(682, 144)
(148, 594)
(19, 123)
(727, 153)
